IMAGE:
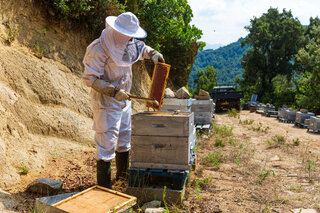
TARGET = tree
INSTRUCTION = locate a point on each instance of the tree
(273, 41)
(309, 83)
(206, 79)
(169, 31)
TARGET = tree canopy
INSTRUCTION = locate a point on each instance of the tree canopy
(273, 40)
(206, 79)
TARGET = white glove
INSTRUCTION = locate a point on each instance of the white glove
(121, 95)
(157, 57)
(104, 87)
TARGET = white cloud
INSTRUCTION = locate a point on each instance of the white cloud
(223, 21)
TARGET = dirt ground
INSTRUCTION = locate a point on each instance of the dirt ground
(248, 163)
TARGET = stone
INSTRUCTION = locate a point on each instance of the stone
(275, 158)
(303, 211)
(45, 186)
(151, 204)
(168, 93)
(154, 210)
(183, 93)
(203, 93)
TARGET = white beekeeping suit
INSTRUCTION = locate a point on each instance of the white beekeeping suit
(108, 61)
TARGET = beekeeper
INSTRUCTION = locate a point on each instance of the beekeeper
(108, 61)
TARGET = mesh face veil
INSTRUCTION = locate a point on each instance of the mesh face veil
(124, 50)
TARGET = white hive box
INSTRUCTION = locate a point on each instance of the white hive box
(315, 123)
(173, 104)
(203, 111)
(290, 115)
(301, 117)
(162, 140)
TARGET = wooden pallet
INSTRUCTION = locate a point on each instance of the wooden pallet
(173, 179)
(300, 125)
(313, 130)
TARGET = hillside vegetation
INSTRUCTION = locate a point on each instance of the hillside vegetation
(225, 60)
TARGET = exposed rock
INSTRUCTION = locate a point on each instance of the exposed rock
(203, 95)
(45, 186)
(168, 93)
(183, 93)
(154, 210)
(152, 204)
(7, 202)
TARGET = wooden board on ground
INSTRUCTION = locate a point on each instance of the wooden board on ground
(95, 199)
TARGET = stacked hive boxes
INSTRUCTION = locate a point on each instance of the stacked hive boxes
(203, 111)
(162, 140)
(315, 123)
(301, 117)
(173, 104)
(290, 115)
(162, 145)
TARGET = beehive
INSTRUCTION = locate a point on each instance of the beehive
(281, 113)
(203, 111)
(162, 140)
(173, 104)
(315, 123)
(158, 84)
(290, 115)
(301, 117)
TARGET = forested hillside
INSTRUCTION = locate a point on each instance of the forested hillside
(225, 60)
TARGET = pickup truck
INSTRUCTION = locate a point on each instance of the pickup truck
(226, 97)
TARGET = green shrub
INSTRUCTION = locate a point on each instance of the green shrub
(89, 14)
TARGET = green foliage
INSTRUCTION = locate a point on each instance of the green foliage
(89, 14)
(233, 113)
(273, 40)
(13, 31)
(296, 142)
(309, 83)
(214, 159)
(223, 131)
(24, 169)
(226, 60)
(206, 80)
(169, 31)
(264, 174)
(219, 142)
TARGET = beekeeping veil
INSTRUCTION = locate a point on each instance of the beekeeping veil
(120, 38)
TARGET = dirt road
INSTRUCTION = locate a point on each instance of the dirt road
(252, 163)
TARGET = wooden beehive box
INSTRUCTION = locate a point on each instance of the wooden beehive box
(203, 111)
(96, 199)
(290, 115)
(173, 104)
(162, 140)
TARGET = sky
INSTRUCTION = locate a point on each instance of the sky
(223, 21)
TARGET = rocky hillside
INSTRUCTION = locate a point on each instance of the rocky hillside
(44, 107)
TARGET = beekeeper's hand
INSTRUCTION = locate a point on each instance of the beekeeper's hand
(104, 87)
(157, 57)
(121, 95)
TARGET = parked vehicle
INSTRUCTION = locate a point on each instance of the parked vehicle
(226, 97)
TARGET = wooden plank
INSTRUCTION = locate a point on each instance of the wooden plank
(96, 199)
(161, 152)
(163, 123)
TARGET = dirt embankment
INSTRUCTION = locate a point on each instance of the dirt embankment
(44, 107)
